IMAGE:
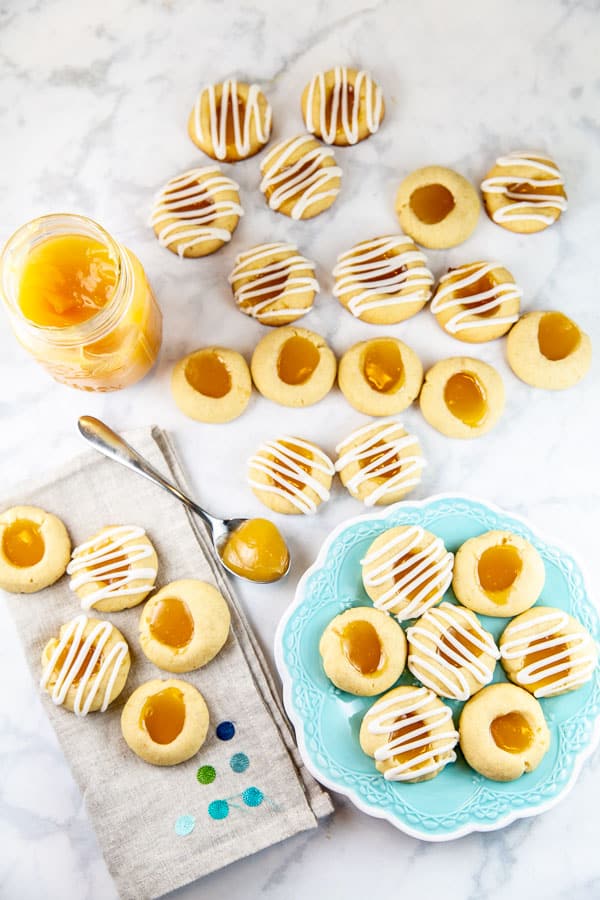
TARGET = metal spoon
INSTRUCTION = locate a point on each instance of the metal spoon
(108, 442)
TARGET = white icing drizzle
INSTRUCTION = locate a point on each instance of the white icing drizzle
(261, 278)
(415, 706)
(89, 565)
(229, 109)
(188, 227)
(461, 278)
(383, 441)
(434, 670)
(570, 667)
(74, 659)
(550, 176)
(341, 107)
(367, 269)
(426, 572)
(282, 463)
(293, 180)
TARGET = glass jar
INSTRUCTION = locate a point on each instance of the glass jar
(119, 342)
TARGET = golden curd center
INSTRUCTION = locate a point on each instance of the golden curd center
(208, 374)
(483, 284)
(274, 288)
(119, 563)
(536, 654)
(383, 367)
(448, 641)
(379, 459)
(298, 358)
(362, 647)
(497, 570)
(163, 715)
(66, 280)
(256, 550)
(171, 622)
(23, 544)
(465, 398)
(339, 127)
(558, 336)
(408, 564)
(409, 724)
(431, 203)
(512, 732)
(82, 667)
(290, 481)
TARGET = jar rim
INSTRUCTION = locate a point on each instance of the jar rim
(52, 225)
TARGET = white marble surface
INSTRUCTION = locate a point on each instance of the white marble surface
(93, 107)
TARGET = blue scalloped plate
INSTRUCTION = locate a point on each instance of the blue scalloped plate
(327, 721)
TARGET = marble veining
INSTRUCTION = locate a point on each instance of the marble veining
(94, 100)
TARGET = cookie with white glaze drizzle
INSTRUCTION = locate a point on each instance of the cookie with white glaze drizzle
(477, 302)
(342, 106)
(290, 475)
(383, 280)
(524, 192)
(196, 212)
(230, 120)
(274, 283)
(300, 177)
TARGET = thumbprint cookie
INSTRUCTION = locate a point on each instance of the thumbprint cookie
(212, 385)
(380, 463)
(230, 121)
(503, 732)
(450, 652)
(524, 192)
(410, 734)
(380, 377)
(437, 207)
(548, 350)
(476, 302)
(86, 667)
(290, 475)
(342, 106)
(363, 651)
(384, 280)
(300, 177)
(547, 652)
(195, 213)
(293, 366)
(498, 573)
(34, 549)
(406, 571)
(462, 397)
(274, 283)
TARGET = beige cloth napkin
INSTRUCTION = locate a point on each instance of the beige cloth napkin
(134, 806)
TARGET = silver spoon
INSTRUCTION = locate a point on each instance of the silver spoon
(108, 442)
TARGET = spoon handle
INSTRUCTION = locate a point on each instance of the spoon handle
(110, 444)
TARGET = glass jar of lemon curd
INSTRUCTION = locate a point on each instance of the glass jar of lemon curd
(80, 303)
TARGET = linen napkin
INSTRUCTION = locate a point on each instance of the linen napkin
(160, 828)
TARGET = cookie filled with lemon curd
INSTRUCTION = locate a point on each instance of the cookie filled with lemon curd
(462, 397)
(383, 280)
(291, 475)
(363, 651)
(524, 192)
(503, 732)
(437, 207)
(80, 303)
(548, 652)
(165, 721)
(256, 550)
(342, 106)
(381, 376)
(34, 549)
(548, 350)
(230, 120)
(300, 178)
(212, 384)
(498, 573)
(476, 302)
(184, 625)
(293, 366)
